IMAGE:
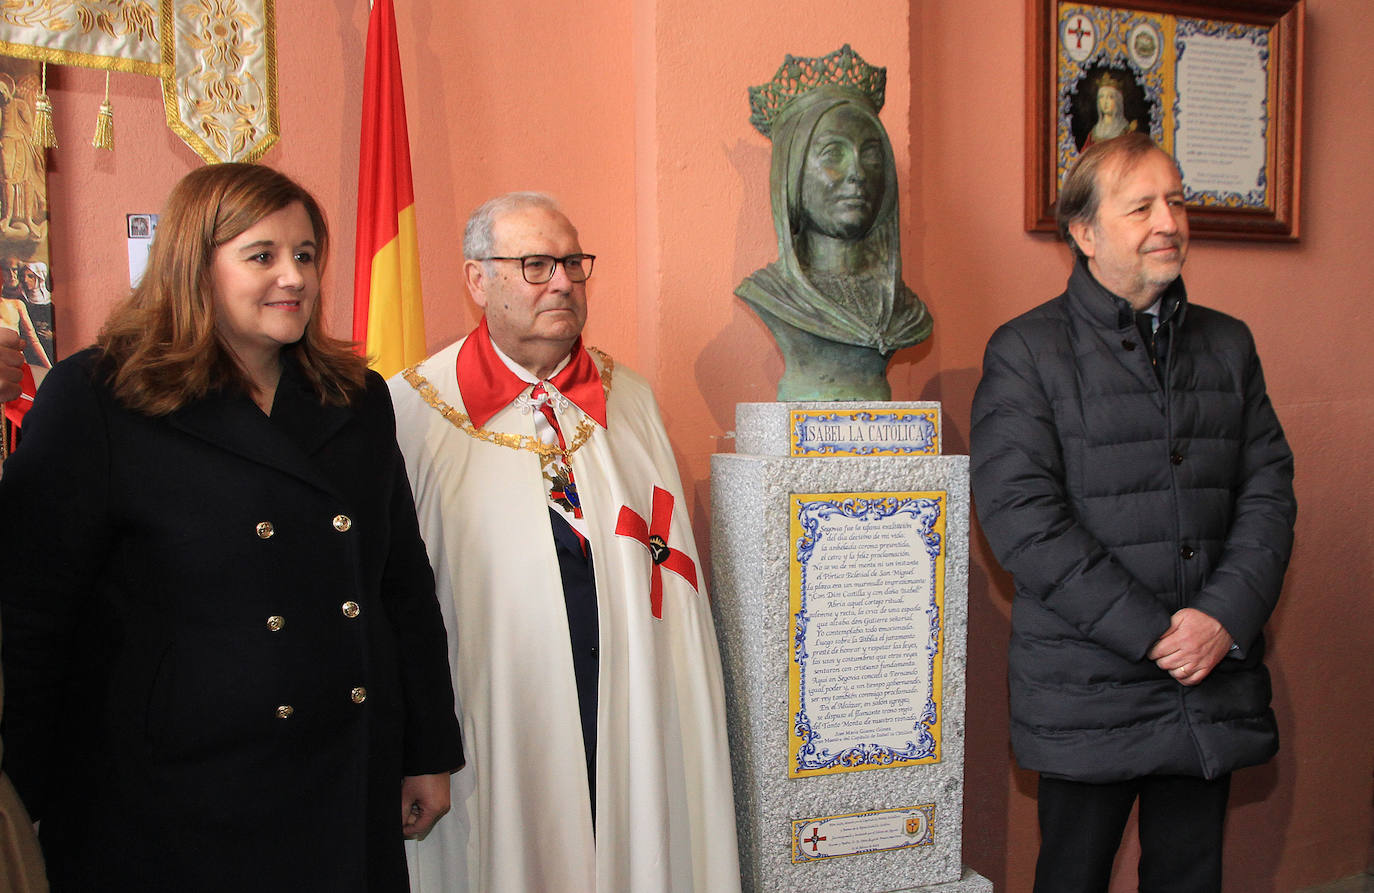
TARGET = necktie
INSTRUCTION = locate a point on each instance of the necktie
(1147, 324)
(558, 473)
(539, 398)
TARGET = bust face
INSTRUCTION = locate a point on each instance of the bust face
(844, 178)
(1108, 101)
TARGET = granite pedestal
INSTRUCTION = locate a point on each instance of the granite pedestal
(823, 663)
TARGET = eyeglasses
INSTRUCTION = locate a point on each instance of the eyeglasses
(539, 268)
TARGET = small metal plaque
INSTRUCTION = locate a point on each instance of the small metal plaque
(864, 432)
(878, 831)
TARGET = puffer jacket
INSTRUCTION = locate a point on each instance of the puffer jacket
(1115, 497)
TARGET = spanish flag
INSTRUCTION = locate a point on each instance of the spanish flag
(388, 314)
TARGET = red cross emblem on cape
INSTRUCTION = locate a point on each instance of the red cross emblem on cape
(654, 537)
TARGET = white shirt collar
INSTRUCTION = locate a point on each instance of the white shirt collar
(521, 372)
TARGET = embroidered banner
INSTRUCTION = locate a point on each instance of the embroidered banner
(217, 60)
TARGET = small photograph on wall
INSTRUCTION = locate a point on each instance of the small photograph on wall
(142, 228)
(25, 277)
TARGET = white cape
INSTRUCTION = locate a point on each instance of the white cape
(521, 818)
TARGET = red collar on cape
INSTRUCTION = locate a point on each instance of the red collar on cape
(488, 385)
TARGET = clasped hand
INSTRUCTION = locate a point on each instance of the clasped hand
(1191, 647)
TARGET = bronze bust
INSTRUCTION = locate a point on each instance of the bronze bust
(834, 299)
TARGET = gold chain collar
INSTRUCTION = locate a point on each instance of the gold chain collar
(546, 453)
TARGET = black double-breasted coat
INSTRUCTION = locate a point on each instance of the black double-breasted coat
(221, 640)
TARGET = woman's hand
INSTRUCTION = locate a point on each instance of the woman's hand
(424, 801)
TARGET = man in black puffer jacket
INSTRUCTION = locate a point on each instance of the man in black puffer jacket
(1131, 474)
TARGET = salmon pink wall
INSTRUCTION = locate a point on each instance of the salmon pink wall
(634, 113)
(1306, 817)
(711, 219)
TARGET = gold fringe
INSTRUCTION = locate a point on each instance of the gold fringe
(43, 133)
(104, 121)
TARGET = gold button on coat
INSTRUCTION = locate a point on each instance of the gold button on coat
(358, 695)
(265, 530)
(285, 711)
(351, 610)
(276, 623)
(342, 523)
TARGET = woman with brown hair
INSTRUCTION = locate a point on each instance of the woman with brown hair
(226, 665)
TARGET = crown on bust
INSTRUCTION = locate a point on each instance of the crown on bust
(800, 75)
(1109, 80)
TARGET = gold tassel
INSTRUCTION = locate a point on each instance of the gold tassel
(43, 133)
(104, 121)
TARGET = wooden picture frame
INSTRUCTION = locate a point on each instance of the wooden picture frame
(1217, 84)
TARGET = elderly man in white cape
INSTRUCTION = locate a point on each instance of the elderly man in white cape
(584, 656)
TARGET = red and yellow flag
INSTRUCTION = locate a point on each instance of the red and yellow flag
(388, 315)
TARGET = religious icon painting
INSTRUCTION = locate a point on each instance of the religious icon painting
(25, 278)
(1110, 101)
(1215, 83)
